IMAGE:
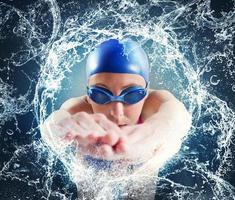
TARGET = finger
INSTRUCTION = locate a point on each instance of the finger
(110, 138)
(99, 152)
(92, 138)
(56, 131)
(86, 122)
(121, 147)
(105, 123)
(70, 125)
(82, 136)
(106, 151)
(113, 132)
(68, 137)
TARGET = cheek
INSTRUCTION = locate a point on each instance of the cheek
(99, 109)
(133, 111)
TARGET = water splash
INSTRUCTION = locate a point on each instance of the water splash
(190, 50)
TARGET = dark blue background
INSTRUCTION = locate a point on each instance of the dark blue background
(32, 161)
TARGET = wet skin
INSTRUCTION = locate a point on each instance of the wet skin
(111, 131)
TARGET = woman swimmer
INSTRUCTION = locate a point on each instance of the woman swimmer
(120, 118)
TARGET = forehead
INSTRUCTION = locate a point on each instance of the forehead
(116, 79)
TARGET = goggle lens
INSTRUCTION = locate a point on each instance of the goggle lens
(129, 95)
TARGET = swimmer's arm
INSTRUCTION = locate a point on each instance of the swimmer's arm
(170, 119)
(166, 122)
(68, 108)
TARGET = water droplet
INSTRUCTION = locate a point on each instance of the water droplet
(214, 80)
(9, 132)
(233, 88)
(16, 165)
(208, 69)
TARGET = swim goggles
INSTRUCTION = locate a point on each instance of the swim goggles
(130, 95)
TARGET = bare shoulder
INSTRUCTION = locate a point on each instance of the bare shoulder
(161, 95)
(76, 104)
(155, 99)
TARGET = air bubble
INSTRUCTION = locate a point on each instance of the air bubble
(214, 80)
(10, 132)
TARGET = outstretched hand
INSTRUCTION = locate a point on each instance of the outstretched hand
(95, 135)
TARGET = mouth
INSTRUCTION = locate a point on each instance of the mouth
(122, 125)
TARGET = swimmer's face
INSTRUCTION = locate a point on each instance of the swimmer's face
(118, 112)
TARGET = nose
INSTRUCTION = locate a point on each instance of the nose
(117, 111)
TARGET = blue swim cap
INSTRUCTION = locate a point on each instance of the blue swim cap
(118, 56)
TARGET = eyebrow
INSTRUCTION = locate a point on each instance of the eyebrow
(126, 86)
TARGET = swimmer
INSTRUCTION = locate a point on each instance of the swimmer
(120, 117)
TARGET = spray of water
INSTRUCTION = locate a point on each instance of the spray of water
(190, 50)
